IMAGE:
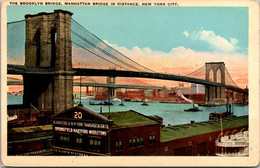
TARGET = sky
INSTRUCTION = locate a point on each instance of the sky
(175, 40)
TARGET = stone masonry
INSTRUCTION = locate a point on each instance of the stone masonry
(215, 95)
(48, 44)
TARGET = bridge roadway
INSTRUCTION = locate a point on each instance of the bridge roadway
(22, 70)
(99, 85)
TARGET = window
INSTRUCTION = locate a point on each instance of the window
(141, 141)
(118, 145)
(95, 145)
(152, 139)
(79, 143)
(63, 140)
(166, 148)
(130, 143)
(136, 141)
(190, 143)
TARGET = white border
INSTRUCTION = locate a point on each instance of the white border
(252, 160)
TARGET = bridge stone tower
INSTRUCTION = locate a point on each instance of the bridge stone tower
(48, 44)
(215, 72)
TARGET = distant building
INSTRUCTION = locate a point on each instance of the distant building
(198, 98)
(182, 90)
(135, 95)
(196, 88)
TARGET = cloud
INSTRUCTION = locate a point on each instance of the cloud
(216, 42)
(179, 60)
(186, 33)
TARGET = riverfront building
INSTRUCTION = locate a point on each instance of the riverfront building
(80, 131)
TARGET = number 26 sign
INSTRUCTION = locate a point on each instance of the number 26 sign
(77, 115)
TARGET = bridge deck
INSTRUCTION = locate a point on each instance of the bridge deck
(21, 70)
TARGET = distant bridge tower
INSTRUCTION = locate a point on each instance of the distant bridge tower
(111, 81)
(215, 72)
(48, 44)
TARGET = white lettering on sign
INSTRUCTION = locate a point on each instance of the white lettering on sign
(80, 131)
(77, 115)
(36, 152)
(81, 124)
(60, 122)
(69, 152)
(97, 132)
(63, 129)
(93, 125)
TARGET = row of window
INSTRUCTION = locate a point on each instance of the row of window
(93, 144)
(135, 142)
(152, 139)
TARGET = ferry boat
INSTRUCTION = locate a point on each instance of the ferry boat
(233, 145)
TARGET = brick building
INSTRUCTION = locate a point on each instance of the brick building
(198, 98)
(80, 131)
(135, 95)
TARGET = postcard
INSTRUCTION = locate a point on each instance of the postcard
(129, 83)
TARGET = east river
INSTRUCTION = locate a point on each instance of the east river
(172, 113)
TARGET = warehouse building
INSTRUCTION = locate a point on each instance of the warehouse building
(80, 131)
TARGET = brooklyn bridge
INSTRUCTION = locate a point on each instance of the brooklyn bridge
(50, 53)
(53, 48)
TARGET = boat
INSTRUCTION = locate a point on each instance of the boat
(208, 105)
(144, 104)
(90, 97)
(127, 99)
(233, 145)
(219, 115)
(104, 104)
(195, 108)
(116, 99)
(121, 104)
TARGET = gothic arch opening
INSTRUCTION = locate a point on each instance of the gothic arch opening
(53, 46)
(37, 40)
(211, 75)
(218, 76)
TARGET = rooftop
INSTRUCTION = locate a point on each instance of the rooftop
(30, 129)
(127, 118)
(186, 130)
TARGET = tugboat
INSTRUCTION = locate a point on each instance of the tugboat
(221, 115)
(195, 108)
(144, 104)
(121, 104)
